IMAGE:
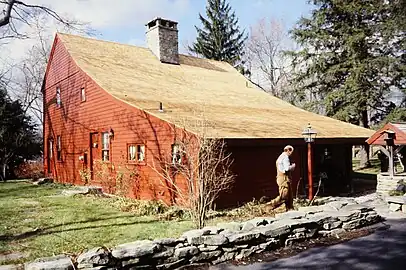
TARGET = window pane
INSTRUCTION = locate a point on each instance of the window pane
(58, 96)
(58, 143)
(58, 148)
(105, 140)
(141, 152)
(51, 145)
(105, 155)
(83, 94)
(176, 157)
(131, 152)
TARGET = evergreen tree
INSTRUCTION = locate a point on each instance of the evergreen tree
(220, 38)
(19, 139)
(352, 57)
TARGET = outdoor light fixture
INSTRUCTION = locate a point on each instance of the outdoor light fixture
(111, 133)
(309, 136)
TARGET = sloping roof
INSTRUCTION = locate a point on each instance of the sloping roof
(231, 105)
(400, 126)
(378, 138)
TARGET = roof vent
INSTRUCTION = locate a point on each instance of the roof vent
(161, 108)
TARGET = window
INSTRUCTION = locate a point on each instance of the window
(58, 97)
(136, 152)
(50, 148)
(58, 148)
(105, 146)
(82, 94)
(176, 154)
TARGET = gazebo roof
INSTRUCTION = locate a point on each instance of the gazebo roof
(399, 130)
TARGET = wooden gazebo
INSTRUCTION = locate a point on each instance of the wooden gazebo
(391, 139)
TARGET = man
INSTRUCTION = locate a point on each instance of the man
(283, 179)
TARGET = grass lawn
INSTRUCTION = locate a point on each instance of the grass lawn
(374, 169)
(38, 221)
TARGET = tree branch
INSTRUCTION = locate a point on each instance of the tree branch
(7, 13)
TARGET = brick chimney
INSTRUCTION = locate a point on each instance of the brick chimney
(162, 40)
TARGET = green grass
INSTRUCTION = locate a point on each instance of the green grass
(38, 221)
(374, 169)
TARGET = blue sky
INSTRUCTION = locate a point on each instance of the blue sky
(124, 20)
(249, 13)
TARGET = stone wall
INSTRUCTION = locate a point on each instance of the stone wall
(386, 183)
(223, 242)
(397, 203)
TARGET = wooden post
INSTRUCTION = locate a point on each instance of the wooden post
(391, 165)
(309, 170)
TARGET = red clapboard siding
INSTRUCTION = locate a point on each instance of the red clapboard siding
(74, 120)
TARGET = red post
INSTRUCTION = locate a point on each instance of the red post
(309, 170)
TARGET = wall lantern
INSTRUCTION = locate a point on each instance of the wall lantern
(111, 133)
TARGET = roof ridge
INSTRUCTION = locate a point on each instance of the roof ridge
(132, 45)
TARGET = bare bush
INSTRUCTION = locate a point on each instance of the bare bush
(196, 171)
(33, 169)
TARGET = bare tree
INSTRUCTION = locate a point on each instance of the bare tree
(196, 171)
(17, 14)
(28, 73)
(265, 56)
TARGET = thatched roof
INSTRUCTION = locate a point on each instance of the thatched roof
(233, 107)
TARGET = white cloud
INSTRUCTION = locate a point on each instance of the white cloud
(107, 13)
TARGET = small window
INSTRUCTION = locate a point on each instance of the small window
(58, 97)
(105, 146)
(136, 152)
(50, 148)
(176, 154)
(58, 148)
(82, 94)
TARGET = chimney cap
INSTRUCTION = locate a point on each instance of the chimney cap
(160, 19)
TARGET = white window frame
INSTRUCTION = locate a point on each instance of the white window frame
(135, 152)
(140, 152)
(50, 148)
(58, 97)
(83, 94)
(176, 154)
(105, 143)
(58, 148)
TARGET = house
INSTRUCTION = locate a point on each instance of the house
(109, 106)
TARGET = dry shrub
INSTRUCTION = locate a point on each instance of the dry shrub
(30, 169)
(254, 208)
(175, 213)
(103, 175)
(140, 207)
(396, 193)
(151, 208)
